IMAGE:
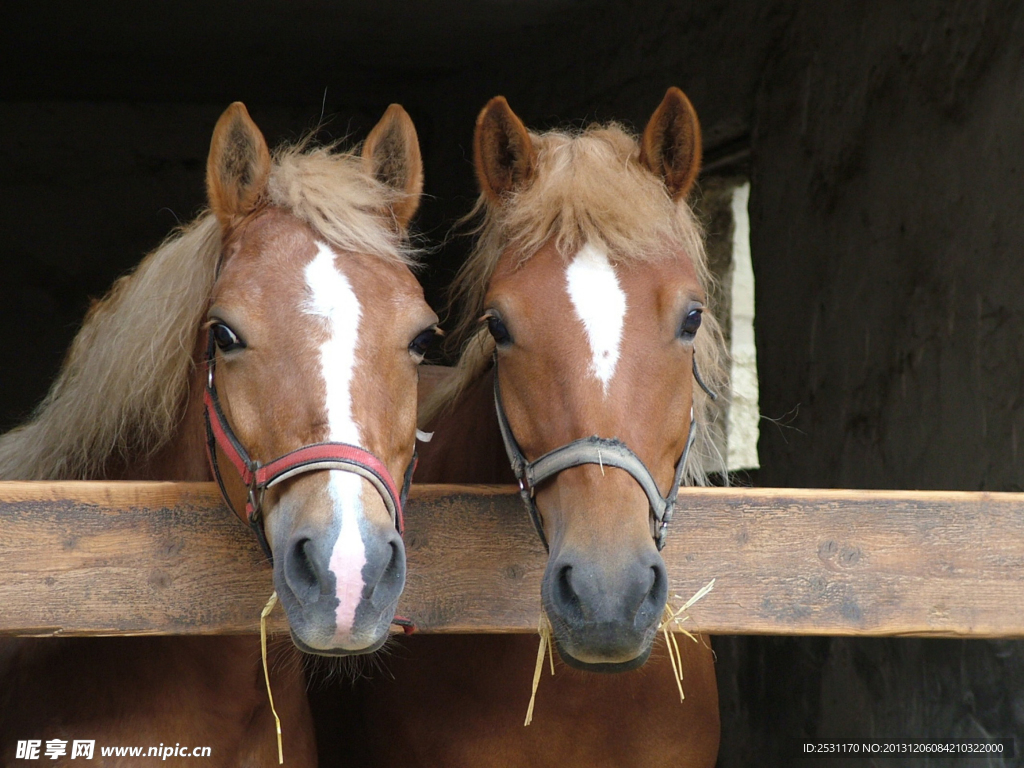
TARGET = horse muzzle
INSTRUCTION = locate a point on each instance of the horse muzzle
(605, 616)
(342, 600)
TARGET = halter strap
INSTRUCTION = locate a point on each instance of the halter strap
(258, 477)
(593, 450)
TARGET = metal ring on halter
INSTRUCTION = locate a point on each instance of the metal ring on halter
(593, 450)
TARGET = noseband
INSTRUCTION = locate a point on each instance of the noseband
(594, 450)
(257, 477)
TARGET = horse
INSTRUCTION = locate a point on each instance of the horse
(588, 361)
(273, 345)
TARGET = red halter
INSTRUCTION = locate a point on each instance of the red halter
(309, 458)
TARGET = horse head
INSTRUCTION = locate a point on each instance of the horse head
(316, 326)
(595, 306)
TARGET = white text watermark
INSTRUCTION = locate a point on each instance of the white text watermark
(85, 749)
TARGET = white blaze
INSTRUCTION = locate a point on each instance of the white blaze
(600, 303)
(332, 298)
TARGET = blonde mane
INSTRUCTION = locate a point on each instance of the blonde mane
(588, 187)
(121, 392)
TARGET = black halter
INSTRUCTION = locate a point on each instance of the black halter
(594, 450)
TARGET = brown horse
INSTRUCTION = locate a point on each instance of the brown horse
(585, 299)
(287, 318)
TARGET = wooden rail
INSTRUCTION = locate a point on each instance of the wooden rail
(166, 558)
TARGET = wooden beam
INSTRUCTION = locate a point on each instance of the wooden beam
(166, 558)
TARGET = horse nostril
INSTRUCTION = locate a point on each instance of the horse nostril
(394, 573)
(659, 589)
(385, 580)
(301, 573)
(655, 579)
(565, 595)
(653, 603)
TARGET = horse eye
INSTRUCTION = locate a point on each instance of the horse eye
(498, 331)
(690, 325)
(225, 339)
(421, 343)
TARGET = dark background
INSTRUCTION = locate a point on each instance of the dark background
(885, 147)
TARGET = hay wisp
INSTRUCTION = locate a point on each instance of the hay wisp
(266, 673)
(544, 629)
(676, 616)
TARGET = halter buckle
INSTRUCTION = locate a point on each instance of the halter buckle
(255, 497)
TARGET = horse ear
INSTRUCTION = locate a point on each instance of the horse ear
(238, 167)
(392, 154)
(503, 153)
(671, 145)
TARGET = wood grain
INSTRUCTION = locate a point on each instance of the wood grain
(168, 558)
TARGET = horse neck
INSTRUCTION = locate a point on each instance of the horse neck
(183, 457)
(467, 446)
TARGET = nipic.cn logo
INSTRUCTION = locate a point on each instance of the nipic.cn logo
(29, 749)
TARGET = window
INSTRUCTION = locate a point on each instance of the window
(723, 208)
(743, 416)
